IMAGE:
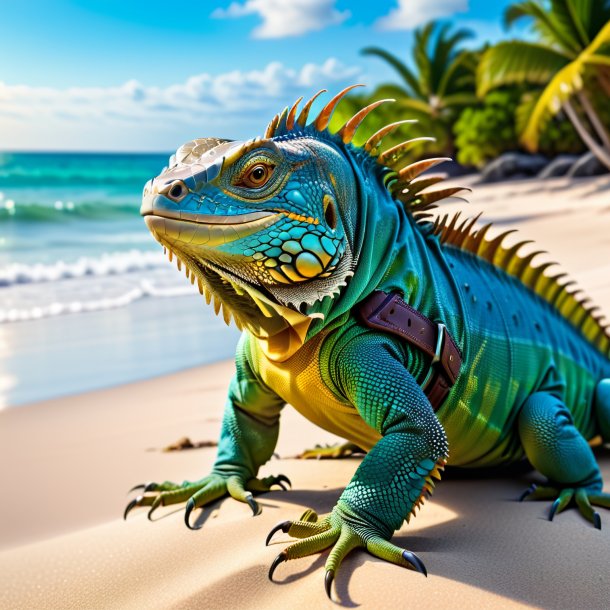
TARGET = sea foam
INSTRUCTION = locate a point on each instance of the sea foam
(114, 263)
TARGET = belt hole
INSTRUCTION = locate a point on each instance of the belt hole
(408, 321)
(392, 311)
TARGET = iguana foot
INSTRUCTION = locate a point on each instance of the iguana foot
(205, 491)
(343, 531)
(583, 497)
(340, 450)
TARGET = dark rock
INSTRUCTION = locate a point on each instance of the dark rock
(511, 166)
(559, 166)
(587, 165)
(452, 168)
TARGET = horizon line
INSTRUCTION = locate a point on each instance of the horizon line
(82, 152)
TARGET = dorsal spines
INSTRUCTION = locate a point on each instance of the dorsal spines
(323, 118)
(401, 182)
(372, 144)
(393, 156)
(304, 114)
(347, 132)
(292, 115)
(556, 289)
(410, 190)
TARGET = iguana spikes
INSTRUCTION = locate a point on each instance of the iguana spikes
(392, 156)
(573, 306)
(346, 133)
(419, 184)
(398, 184)
(323, 119)
(292, 114)
(413, 170)
(281, 122)
(304, 114)
(271, 128)
(375, 140)
(433, 196)
(496, 255)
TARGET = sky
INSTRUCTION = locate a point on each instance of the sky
(124, 75)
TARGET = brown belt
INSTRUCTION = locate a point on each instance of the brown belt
(389, 313)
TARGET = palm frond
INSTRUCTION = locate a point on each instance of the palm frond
(517, 61)
(413, 85)
(547, 25)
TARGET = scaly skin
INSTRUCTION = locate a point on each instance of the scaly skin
(287, 234)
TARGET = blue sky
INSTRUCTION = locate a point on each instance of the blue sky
(124, 75)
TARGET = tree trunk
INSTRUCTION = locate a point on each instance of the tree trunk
(604, 80)
(587, 138)
(593, 117)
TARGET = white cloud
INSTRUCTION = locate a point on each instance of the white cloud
(134, 116)
(410, 14)
(284, 18)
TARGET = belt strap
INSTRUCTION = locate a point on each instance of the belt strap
(389, 313)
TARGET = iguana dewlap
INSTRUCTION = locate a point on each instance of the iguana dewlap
(287, 234)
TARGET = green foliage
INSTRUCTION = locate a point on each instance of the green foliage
(482, 133)
(440, 85)
(522, 87)
(559, 137)
(573, 42)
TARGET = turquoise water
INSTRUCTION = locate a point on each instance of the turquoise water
(86, 297)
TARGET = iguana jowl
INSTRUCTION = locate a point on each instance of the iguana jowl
(287, 234)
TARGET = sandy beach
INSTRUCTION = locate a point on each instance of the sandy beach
(67, 464)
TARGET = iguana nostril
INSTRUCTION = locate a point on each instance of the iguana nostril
(177, 191)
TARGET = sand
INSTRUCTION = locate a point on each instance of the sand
(68, 463)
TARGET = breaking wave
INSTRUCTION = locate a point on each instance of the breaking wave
(107, 264)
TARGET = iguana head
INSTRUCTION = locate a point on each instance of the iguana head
(272, 228)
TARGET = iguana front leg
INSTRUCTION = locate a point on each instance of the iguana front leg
(248, 437)
(394, 475)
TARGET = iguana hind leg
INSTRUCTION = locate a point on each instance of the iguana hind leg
(602, 408)
(557, 449)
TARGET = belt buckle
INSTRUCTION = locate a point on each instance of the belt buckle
(440, 340)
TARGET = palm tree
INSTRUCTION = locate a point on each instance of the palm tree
(569, 60)
(441, 83)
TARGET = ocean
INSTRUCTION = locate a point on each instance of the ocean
(87, 298)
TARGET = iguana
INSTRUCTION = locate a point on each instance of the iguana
(289, 234)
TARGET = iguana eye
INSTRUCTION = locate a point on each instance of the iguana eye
(256, 176)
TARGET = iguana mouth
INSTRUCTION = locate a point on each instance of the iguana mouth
(207, 230)
(251, 305)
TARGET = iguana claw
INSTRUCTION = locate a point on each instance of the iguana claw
(254, 505)
(583, 497)
(342, 531)
(328, 581)
(204, 491)
(553, 509)
(282, 478)
(416, 562)
(144, 487)
(156, 503)
(190, 507)
(284, 526)
(131, 505)
(276, 562)
(531, 489)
